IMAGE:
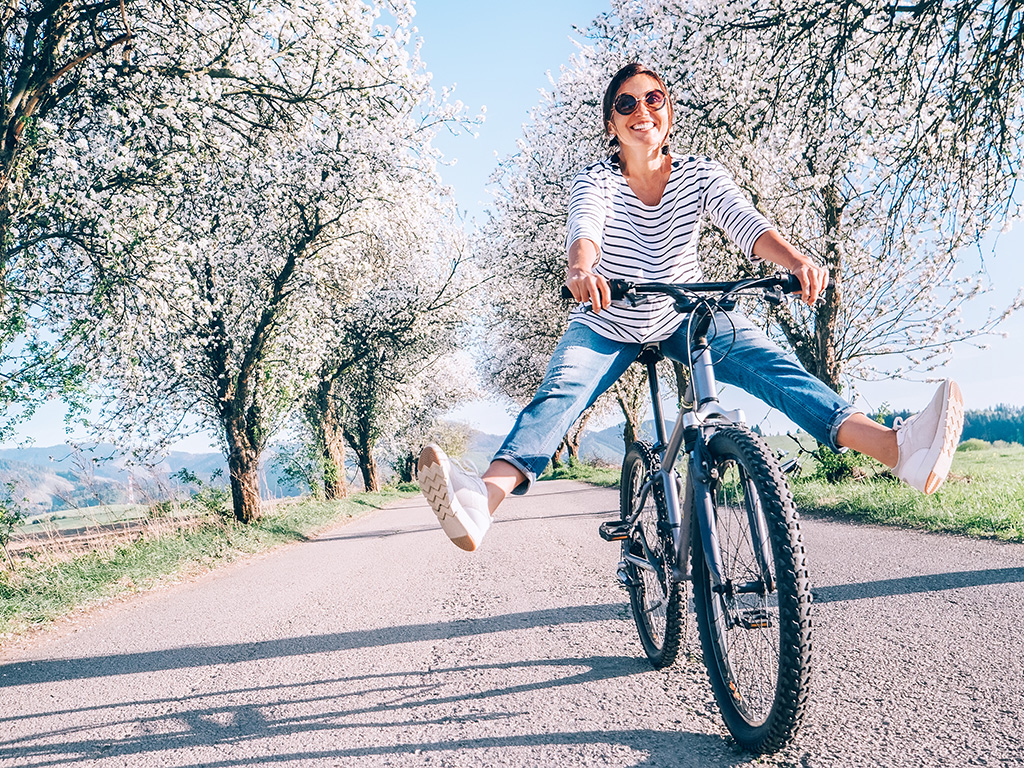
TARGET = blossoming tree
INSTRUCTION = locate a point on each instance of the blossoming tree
(386, 362)
(881, 139)
(263, 139)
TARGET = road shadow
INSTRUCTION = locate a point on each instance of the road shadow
(50, 670)
(909, 585)
(385, 704)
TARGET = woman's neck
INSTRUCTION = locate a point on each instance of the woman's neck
(642, 164)
(647, 176)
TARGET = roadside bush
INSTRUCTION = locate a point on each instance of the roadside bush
(974, 444)
(837, 468)
(206, 497)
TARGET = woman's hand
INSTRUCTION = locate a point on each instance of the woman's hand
(813, 278)
(583, 283)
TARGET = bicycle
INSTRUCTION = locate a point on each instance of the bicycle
(734, 536)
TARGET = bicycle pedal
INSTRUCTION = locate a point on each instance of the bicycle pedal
(614, 530)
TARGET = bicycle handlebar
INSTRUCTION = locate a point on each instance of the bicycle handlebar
(787, 283)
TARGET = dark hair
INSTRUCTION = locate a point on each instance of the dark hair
(630, 70)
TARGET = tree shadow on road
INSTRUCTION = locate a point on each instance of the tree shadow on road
(49, 670)
(389, 713)
(909, 585)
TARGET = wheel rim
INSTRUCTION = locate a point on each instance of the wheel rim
(745, 619)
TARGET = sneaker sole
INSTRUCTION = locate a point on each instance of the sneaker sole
(954, 423)
(434, 486)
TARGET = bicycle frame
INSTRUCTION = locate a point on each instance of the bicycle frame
(698, 419)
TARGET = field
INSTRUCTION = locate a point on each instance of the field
(983, 497)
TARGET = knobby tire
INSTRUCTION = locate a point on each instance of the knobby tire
(759, 667)
(656, 599)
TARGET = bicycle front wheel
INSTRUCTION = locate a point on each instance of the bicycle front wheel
(755, 628)
(655, 598)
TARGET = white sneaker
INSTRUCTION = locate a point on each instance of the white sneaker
(928, 440)
(458, 498)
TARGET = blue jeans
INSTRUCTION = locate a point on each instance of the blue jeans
(585, 364)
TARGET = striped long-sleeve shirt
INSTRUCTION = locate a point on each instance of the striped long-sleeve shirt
(641, 242)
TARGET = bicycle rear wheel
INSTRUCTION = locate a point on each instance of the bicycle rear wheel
(655, 598)
(755, 630)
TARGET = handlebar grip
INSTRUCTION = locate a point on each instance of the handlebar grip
(790, 283)
(566, 293)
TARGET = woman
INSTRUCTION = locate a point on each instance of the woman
(636, 216)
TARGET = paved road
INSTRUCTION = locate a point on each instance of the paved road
(380, 644)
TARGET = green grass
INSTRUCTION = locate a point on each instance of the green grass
(45, 588)
(983, 497)
(607, 477)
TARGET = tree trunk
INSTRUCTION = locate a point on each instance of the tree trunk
(363, 444)
(333, 445)
(575, 434)
(243, 467)
(630, 429)
(826, 317)
(321, 411)
(682, 382)
(630, 392)
(407, 467)
(556, 457)
(370, 471)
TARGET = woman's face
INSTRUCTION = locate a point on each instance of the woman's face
(646, 127)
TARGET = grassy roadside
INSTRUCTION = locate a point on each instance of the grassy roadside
(607, 477)
(45, 588)
(983, 498)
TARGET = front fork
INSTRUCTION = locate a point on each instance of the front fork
(699, 499)
(698, 488)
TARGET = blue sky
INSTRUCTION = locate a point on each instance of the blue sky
(496, 55)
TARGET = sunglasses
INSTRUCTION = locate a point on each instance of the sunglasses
(626, 104)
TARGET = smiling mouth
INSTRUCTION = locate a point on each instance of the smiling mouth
(645, 126)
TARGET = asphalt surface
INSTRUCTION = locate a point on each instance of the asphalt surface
(381, 644)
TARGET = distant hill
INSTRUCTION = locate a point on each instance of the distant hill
(51, 478)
